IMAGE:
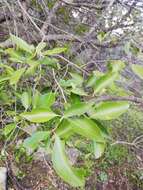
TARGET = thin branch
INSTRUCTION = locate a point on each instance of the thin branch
(119, 98)
(59, 86)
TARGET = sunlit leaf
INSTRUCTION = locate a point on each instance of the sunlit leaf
(39, 116)
(62, 166)
(109, 110)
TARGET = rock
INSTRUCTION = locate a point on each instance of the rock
(3, 178)
(73, 155)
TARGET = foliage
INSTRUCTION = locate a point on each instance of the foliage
(60, 118)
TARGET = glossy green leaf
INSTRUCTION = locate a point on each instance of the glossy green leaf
(138, 70)
(99, 149)
(62, 166)
(39, 116)
(22, 44)
(87, 128)
(77, 109)
(16, 76)
(26, 100)
(37, 137)
(109, 110)
(9, 128)
(54, 51)
(104, 81)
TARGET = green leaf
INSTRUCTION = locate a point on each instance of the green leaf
(138, 70)
(77, 109)
(115, 65)
(22, 44)
(104, 81)
(16, 76)
(26, 100)
(65, 129)
(8, 68)
(77, 79)
(54, 51)
(79, 91)
(46, 100)
(63, 167)
(36, 98)
(4, 78)
(91, 80)
(9, 128)
(87, 128)
(40, 47)
(51, 62)
(39, 116)
(99, 149)
(103, 129)
(109, 110)
(37, 137)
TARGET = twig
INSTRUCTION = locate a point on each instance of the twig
(118, 98)
(59, 86)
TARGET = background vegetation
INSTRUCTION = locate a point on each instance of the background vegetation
(71, 94)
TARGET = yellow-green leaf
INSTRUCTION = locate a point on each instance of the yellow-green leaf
(109, 110)
(54, 51)
(39, 116)
(65, 129)
(62, 166)
(104, 81)
(16, 76)
(77, 109)
(9, 128)
(22, 44)
(87, 128)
